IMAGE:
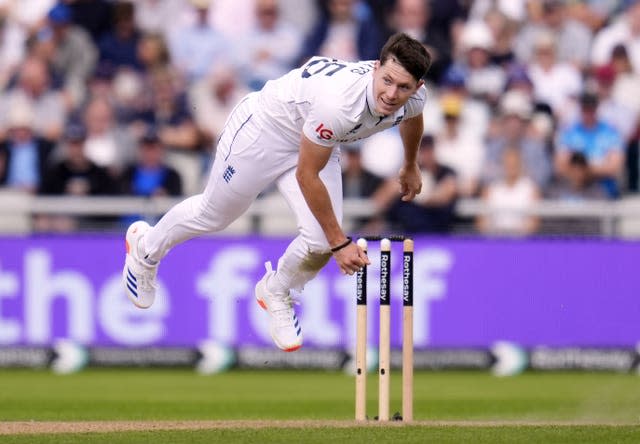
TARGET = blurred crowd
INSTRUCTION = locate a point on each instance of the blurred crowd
(527, 99)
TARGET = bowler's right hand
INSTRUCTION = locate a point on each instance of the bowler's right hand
(351, 258)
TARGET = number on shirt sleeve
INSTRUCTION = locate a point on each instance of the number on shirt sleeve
(316, 66)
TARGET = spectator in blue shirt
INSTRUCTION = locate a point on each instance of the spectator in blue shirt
(23, 155)
(600, 143)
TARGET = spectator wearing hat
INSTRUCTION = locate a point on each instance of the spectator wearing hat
(73, 175)
(484, 80)
(23, 155)
(70, 51)
(555, 83)
(600, 143)
(460, 150)
(518, 79)
(475, 114)
(149, 175)
(432, 210)
(512, 128)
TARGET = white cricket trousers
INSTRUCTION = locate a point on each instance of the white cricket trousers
(251, 155)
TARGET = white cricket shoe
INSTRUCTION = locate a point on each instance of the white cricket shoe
(285, 327)
(139, 277)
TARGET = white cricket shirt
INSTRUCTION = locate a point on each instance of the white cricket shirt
(330, 101)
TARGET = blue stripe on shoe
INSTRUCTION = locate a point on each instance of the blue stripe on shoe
(133, 284)
(135, 293)
(298, 332)
(296, 324)
(131, 275)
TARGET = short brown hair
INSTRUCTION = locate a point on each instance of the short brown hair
(408, 52)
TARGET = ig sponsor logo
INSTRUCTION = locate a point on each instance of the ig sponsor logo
(324, 133)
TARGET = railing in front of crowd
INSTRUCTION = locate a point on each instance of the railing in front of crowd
(270, 214)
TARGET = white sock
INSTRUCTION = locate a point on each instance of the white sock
(274, 285)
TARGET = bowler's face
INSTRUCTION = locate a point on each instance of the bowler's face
(392, 86)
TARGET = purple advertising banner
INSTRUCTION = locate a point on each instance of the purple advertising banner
(467, 293)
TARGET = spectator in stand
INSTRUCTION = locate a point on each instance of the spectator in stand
(626, 87)
(576, 187)
(23, 155)
(626, 92)
(610, 110)
(600, 143)
(514, 10)
(170, 114)
(624, 31)
(70, 51)
(150, 175)
(577, 184)
(503, 30)
(461, 151)
(413, 17)
(484, 80)
(29, 15)
(474, 115)
(573, 38)
(34, 87)
(446, 20)
(92, 15)
(346, 31)
(13, 37)
(74, 175)
(159, 16)
(108, 144)
(196, 48)
(213, 98)
(508, 199)
(357, 181)
(596, 13)
(555, 83)
(119, 47)
(432, 211)
(270, 48)
(512, 129)
(152, 52)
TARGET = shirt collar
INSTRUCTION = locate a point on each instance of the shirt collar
(371, 101)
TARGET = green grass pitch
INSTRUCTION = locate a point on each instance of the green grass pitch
(472, 407)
